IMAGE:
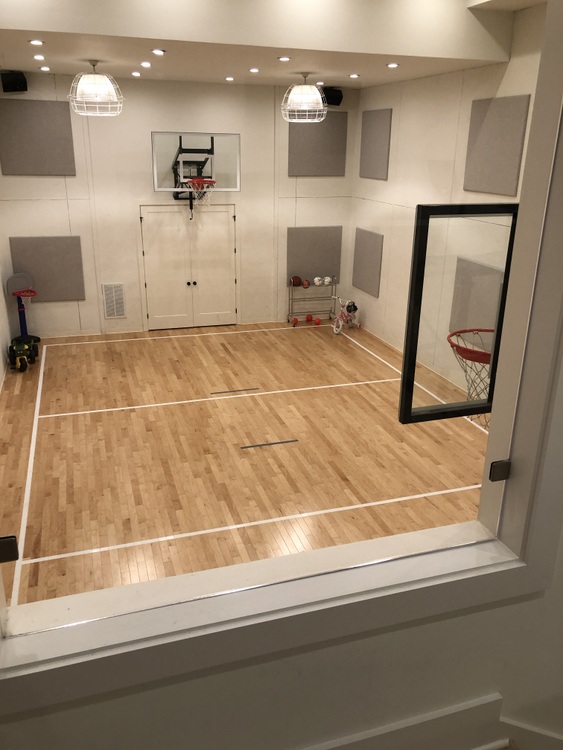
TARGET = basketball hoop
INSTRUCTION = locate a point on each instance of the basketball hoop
(474, 359)
(201, 189)
(25, 293)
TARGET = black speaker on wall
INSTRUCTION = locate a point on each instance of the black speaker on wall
(333, 96)
(13, 80)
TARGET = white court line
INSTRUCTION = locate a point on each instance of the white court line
(186, 336)
(467, 419)
(249, 524)
(28, 481)
(215, 398)
(392, 367)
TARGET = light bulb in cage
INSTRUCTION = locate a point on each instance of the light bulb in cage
(95, 94)
(304, 102)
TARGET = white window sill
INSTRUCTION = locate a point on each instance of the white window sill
(233, 615)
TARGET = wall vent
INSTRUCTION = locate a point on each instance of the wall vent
(114, 300)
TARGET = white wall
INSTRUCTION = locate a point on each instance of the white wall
(427, 161)
(114, 176)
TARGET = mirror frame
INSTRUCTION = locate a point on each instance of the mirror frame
(424, 214)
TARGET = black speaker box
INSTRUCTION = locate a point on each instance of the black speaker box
(13, 80)
(333, 96)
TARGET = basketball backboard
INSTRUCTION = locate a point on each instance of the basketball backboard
(177, 157)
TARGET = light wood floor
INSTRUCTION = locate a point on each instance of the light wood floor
(155, 455)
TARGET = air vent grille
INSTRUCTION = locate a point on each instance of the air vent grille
(114, 300)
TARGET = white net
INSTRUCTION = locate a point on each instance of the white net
(201, 190)
(473, 354)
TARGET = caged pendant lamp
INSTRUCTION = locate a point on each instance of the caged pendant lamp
(304, 102)
(95, 94)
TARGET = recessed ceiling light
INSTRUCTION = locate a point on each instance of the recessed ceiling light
(229, 78)
(284, 59)
(392, 65)
(354, 75)
(320, 83)
(36, 42)
(159, 52)
(254, 70)
(145, 64)
(45, 68)
(136, 74)
(38, 57)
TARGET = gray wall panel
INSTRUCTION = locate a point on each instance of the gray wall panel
(36, 138)
(495, 144)
(318, 149)
(375, 143)
(368, 252)
(54, 264)
(313, 251)
(476, 296)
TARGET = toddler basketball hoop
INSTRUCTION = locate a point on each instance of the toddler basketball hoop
(474, 358)
(23, 350)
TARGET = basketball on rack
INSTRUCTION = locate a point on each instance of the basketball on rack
(295, 281)
(305, 284)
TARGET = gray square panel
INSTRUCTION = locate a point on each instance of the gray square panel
(495, 144)
(318, 149)
(313, 251)
(375, 143)
(54, 264)
(368, 252)
(36, 138)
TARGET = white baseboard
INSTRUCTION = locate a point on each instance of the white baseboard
(528, 737)
(466, 726)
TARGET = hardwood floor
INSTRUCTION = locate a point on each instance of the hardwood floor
(156, 455)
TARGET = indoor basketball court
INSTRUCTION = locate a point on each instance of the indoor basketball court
(147, 456)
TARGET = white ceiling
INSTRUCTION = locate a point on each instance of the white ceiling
(68, 54)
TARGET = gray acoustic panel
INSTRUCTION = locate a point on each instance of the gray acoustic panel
(36, 138)
(476, 296)
(375, 143)
(495, 144)
(54, 264)
(318, 149)
(314, 251)
(368, 252)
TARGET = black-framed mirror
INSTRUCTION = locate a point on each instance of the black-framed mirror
(459, 277)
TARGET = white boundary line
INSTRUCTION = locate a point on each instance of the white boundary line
(216, 398)
(250, 524)
(475, 424)
(186, 336)
(28, 482)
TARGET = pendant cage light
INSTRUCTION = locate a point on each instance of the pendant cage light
(95, 94)
(304, 102)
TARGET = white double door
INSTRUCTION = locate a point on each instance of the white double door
(190, 266)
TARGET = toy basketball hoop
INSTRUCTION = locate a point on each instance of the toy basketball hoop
(201, 189)
(470, 350)
(26, 293)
